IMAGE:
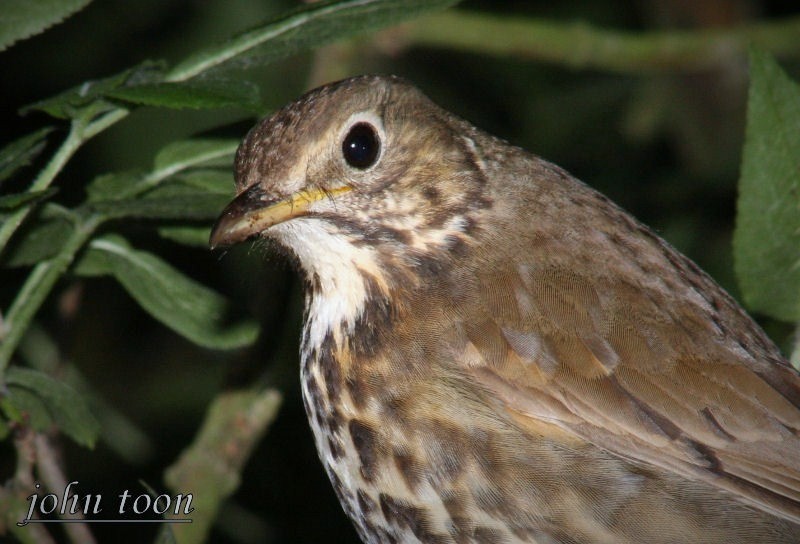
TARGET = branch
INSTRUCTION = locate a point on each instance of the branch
(210, 468)
(580, 45)
(49, 468)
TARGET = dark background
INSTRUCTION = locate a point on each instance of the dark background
(666, 147)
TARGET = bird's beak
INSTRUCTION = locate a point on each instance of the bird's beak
(253, 212)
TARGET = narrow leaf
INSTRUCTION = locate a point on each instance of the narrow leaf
(46, 400)
(71, 103)
(39, 239)
(195, 94)
(187, 236)
(15, 200)
(212, 180)
(192, 153)
(767, 237)
(114, 186)
(314, 25)
(180, 303)
(20, 19)
(22, 151)
(196, 207)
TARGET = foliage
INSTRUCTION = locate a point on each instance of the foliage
(767, 238)
(187, 185)
(69, 225)
(21, 19)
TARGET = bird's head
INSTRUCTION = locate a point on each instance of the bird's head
(363, 175)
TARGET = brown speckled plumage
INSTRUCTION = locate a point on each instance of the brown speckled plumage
(494, 352)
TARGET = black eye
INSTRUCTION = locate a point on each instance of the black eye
(361, 146)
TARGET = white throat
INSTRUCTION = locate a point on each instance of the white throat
(336, 268)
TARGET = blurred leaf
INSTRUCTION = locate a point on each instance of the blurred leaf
(767, 237)
(22, 151)
(15, 200)
(217, 184)
(170, 170)
(40, 351)
(71, 103)
(211, 180)
(195, 94)
(40, 238)
(310, 26)
(184, 197)
(26, 407)
(114, 186)
(20, 19)
(46, 400)
(188, 236)
(5, 428)
(165, 535)
(180, 303)
(192, 153)
(182, 206)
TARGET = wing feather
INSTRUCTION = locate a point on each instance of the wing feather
(558, 351)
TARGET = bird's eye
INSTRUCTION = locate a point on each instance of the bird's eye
(361, 146)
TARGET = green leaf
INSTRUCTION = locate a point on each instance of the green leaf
(193, 207)
(215, 181)
(90, 94)
(767, 238)
(47, 401)
(187, 307)
(5, 428)
(26, 407)
(22, 151)
(40, 238)
(165, 535)
(188, 236)
(185, 154)
(194, 94)
(114, 186)
(20, 19)
(15, 200)
(311, 26)
(173, 161)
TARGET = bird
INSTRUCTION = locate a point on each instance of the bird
(493, 351)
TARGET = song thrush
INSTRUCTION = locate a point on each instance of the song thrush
(495, 352)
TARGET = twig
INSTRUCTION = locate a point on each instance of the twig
(53, 477)
(581, 45)
(13, 496)
(210, 468)
(38, 285)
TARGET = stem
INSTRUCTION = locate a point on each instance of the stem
(80, 132)
(49, 469)
(794, 358)
(580, 45)
(38, 285)
(207, 60)
(12, 495)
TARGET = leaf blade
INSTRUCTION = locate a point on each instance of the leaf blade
(22, 151)
(185, 306)
(46, 400)
(194, 94)
(311, 26)
(22, 19)
(767, 236)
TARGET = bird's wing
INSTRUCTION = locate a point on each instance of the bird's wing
(603, 363)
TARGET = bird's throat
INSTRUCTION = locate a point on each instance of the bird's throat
(341, 277)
